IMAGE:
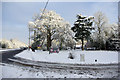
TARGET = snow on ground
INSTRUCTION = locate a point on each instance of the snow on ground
(8, 49)
(0, 72)
(12, 71)
(81, 57)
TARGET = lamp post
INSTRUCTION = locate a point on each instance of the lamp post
(29, 40)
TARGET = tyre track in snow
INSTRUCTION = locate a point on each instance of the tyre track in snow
(103, 70)
(63, 65)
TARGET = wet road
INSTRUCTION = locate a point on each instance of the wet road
(4, 55)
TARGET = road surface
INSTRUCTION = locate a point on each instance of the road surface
(110, 71)
(4, 55)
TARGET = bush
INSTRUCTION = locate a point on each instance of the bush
(71, 56)
(4, 46)
(35, 45)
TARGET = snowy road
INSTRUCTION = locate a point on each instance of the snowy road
(99, 71)
(55, 70)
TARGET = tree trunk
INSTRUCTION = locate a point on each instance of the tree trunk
(82, 44)
(61, 44)
(48, 39)
(42, 42)
(82, 39)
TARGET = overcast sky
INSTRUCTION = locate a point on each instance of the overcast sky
(16, 15)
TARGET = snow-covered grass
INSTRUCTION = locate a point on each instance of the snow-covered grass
(88, 57)
(8, 49)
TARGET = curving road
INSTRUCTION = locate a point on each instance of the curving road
(110, 70)
(5, 55)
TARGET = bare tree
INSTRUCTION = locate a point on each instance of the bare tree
(51, 26)
(100, 22)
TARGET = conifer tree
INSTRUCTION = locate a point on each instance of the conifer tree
(82, 28)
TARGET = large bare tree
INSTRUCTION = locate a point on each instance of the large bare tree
(51, 26)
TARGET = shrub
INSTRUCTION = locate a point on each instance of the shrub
(4, 46)
(71, 56)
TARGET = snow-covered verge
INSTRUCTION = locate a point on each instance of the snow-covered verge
(8, 49)
(80, 57)
(0, 72)
(11, 71)
(12, 44)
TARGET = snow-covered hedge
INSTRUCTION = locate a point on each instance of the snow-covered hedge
(11, 44)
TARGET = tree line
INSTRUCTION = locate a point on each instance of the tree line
(51, 30)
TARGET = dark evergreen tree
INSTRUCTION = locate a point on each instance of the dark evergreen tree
(82, 28)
